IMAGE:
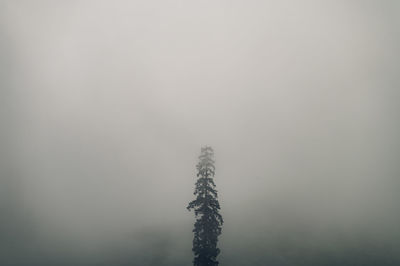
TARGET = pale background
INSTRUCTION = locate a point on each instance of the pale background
(105, 105)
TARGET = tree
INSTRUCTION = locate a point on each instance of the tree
(206, 207)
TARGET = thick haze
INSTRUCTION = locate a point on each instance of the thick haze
(105, 105)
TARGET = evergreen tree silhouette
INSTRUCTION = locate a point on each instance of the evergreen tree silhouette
(206, 207)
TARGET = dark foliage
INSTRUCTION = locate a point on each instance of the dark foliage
(206, 207)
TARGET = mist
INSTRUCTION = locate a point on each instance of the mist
(104, 106)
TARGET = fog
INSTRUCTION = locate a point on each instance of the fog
(104, 106)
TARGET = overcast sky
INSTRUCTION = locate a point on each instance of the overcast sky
(106, 104)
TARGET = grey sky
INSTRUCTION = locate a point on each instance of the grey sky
(107, 104)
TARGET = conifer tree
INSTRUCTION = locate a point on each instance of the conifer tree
(206, 207)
